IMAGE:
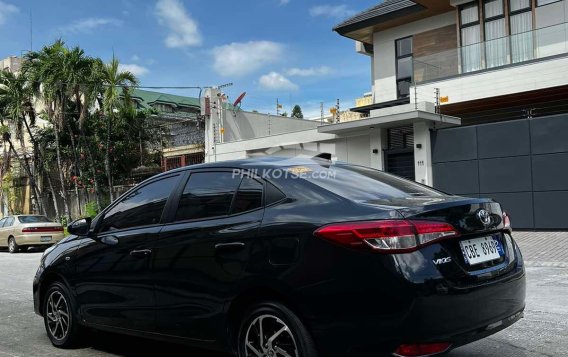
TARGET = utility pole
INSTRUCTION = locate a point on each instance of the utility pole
(337, 112)
(321, 107)
(277, 107)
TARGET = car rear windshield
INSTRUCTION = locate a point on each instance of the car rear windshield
(33, 219)
(363, 184)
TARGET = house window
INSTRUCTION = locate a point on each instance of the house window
(545, 2)
(470, 32)
(404, 67)
(521, 19)
(496, 48)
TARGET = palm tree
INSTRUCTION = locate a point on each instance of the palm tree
(116, 83)
(15, 106)
(45, 71)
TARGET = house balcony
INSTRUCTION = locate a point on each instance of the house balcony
(532, 61)
(499, 53)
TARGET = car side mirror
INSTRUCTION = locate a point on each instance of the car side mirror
(80, 227)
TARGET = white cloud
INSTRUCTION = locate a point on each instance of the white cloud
(6, 10)
(184, 30)
(276, 81)
(136, 69)
(88, 25)
(308, 72)
(284, 2)
(332, 11)
(242, 58)
(135, 58)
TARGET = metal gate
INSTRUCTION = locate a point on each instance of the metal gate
(523, 164)
(399, 157)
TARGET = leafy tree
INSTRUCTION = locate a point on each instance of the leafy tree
(285, 114)
(297, 112)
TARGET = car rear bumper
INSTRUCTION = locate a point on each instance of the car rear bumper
(36, 238)
(455, 316)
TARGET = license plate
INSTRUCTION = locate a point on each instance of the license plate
(481, 250)
(45, 239)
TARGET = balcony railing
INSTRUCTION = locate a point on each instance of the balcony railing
(519, 48)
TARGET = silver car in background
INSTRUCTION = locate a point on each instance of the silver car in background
(20, 232)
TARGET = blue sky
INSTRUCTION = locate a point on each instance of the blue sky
(269, 48)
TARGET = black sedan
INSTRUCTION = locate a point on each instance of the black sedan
(286, 258)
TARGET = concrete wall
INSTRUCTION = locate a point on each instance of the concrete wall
(356, 148)
(516, 79)
(384, 65)
(247, 125)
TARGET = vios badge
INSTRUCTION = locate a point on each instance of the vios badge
(484, 217)
(442, 261)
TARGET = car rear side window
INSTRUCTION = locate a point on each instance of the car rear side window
(33, 219)
(142, 207)
(2, 221)
(207, 195)
(363, 184)
(249, 196)
(9, 222)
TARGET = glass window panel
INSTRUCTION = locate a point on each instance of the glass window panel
(404, 47)
(142, 207)
(516, 5)
(521, 37)
(493, 8)
(403, 88)
(207, 194)
(404, 67)
(471, 49)
(249, 196)
(496, 47)
(469, 14)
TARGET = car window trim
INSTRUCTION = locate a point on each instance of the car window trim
(137, 187)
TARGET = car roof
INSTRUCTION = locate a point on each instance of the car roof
(265, 162)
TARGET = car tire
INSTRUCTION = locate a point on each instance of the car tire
(60, 319)
(13, 247)
(274, 318)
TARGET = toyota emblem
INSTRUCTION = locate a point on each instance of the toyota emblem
(484, 217)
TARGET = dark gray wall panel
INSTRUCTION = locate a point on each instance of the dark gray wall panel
(550, 172)
(518, 205)
(550, 210)
(549, 134)
(460, 177)
(503, 139)
(454, 144)
(512, 174)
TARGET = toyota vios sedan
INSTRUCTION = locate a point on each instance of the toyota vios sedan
(287, 257)
(18, 233)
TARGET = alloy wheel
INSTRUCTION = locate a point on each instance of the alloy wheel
(269, 336)
(12, 245)
(57, 313)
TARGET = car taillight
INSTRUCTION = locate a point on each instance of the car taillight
(506, 221)
(417, 350)
(42, 229)
(391, 236)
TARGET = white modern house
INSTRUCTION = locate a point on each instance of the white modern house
(467, 96)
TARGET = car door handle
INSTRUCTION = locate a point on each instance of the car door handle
(230, 246)
(140, 253)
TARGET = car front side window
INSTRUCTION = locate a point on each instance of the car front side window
(142, 207)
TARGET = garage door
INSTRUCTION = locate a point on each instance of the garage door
(523, 164)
